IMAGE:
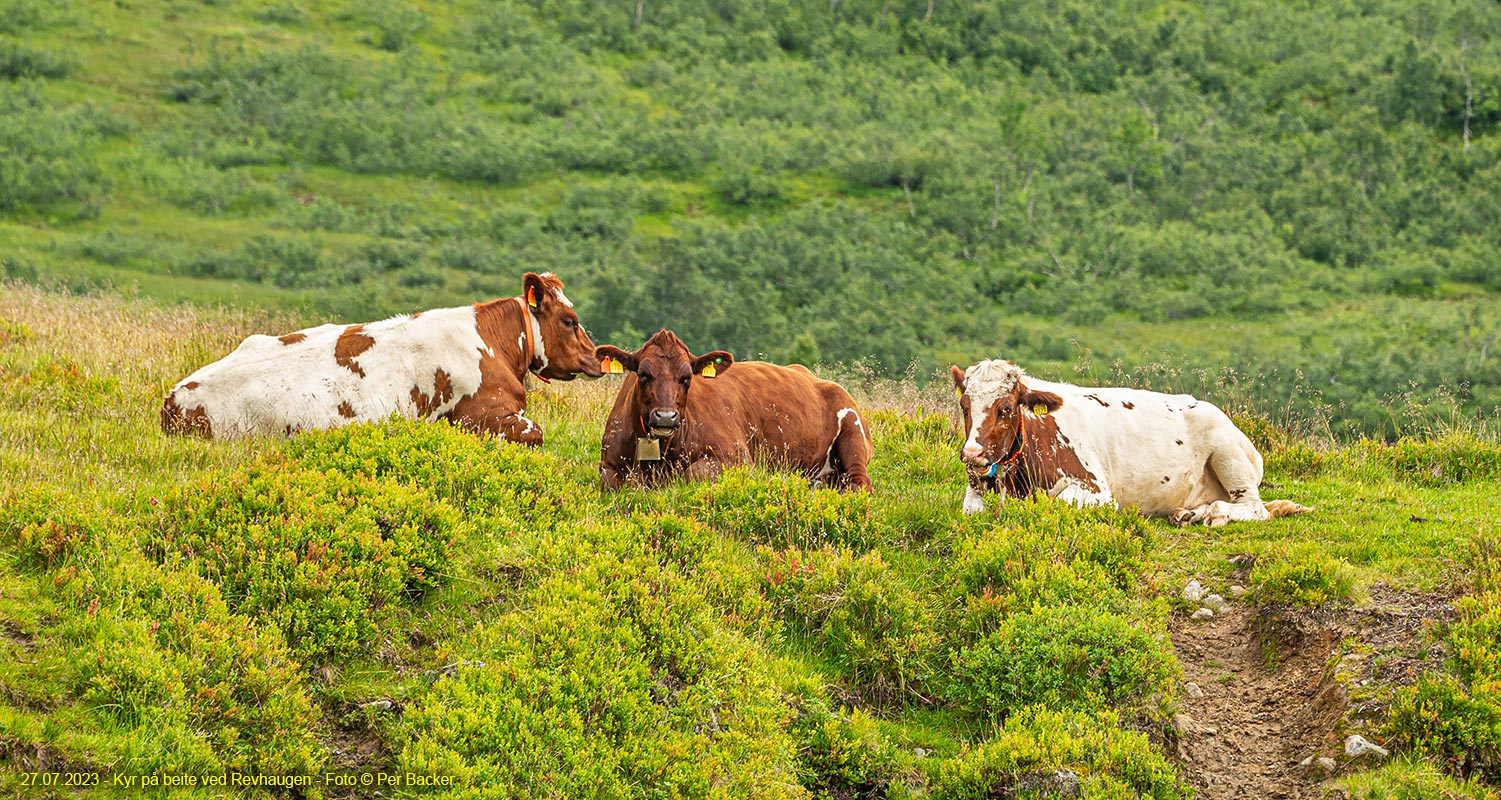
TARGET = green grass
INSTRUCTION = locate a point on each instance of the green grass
(750, 635)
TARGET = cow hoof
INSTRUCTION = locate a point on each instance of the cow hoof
(1181, 517)
(1217, 521)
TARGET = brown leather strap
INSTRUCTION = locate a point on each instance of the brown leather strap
(531, 347)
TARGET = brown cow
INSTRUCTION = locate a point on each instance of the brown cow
(677, 412)
(467, 365)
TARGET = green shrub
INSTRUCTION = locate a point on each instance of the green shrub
(318, 553)
(1456, 457)
(19, 61)
(725, 570)
(863, 615)
(1067, 657)
(613, 678)
(146, 663)
(1054, 559)
(1408, 780)
(782, 510)
(1476, 639)
(1303, 575)
(842, 754)
(1025, 758)
(282, 12)
(1439, 718)
(43, 526)
(502, 489)
(46, 153)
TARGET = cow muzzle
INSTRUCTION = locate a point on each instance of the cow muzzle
(662, 423)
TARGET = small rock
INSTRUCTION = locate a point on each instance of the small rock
(1237, 590)
(1214, 601)
(1326, 765)
(1066, 783)
(378, 705)
(1192, 690)
(921, 752)
(1194, 591)
(1203, 613)
(1357, 745)
(1186, 724)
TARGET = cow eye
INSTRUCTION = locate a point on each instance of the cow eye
(570, 324)
(685, 381)
(643, 377)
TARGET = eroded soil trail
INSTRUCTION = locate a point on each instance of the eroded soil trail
(1245, 730)
(1265, 700)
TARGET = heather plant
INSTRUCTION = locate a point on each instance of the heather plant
(1041, 752)
(1067, 657)
(321, 554)
(1301, 575)
(862, 614)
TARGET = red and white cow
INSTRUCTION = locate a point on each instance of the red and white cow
(1169, 455)
(467, 365)
(694, 415)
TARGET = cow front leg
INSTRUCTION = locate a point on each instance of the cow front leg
(510, 425)
(706, 468)
(974, 494)
(610, 478)
(974, 501)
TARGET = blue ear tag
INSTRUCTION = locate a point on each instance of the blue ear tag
(993, 468)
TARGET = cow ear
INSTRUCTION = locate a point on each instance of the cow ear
(534, 291)
(711, 364)
(614, 361)
(1041, 403)
(958, 376)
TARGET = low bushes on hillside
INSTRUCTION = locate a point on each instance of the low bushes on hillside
(614, 678)
(1301, 575)
(1069, 657)
(1046, 753)
(319, 553)
(867, 620)
(1455, 716)
(781, 510)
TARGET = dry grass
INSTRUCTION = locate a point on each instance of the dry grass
(83, 377)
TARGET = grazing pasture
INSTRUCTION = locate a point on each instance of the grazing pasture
(407, 597)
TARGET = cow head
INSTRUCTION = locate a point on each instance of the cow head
(996, 402)
(561, 344)
(664, 373)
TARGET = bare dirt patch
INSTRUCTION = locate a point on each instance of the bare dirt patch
(1274, 688)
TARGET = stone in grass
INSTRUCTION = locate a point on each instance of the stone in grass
(1357, 745)
(1194, 591)
(1203, 613)
(1192, 690)
(1214, 601)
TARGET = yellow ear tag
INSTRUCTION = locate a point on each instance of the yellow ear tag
(614, 367)
(958, 392)
(709, 371)
(531, 297)
(1040, 410)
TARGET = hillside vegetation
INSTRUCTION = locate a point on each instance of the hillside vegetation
(1293, 202)
(406, 598)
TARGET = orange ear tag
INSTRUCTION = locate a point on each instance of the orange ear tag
(531, 297)
(709, 371)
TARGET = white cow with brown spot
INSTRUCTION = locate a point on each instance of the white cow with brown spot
(467, 365)
(1169, 455)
